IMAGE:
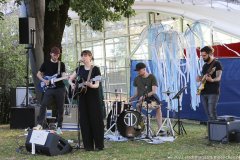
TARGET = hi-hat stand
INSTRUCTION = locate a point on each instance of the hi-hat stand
(113, 130)
(167, 121)
(181, 129)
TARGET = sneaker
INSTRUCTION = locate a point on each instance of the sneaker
(38, 127)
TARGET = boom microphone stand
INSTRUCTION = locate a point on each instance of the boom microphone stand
(148, 101)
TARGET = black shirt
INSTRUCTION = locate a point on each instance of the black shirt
(211, 87)
(83, 74)
(50, 68)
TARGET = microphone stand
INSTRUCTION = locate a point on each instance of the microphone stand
(73, 95)
(145, 95)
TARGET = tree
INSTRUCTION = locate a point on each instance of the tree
(52, 16)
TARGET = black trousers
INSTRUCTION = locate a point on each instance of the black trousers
(91, 120)
(58, 95)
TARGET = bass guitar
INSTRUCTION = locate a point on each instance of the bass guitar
(52, 80)
(203, 81)
(82, 86)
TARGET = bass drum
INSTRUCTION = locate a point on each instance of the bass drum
(130, 124)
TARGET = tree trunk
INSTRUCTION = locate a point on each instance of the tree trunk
(36, 9)
(54, 26)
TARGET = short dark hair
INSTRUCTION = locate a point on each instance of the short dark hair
(55, 50)
(87, 52)
(207, 49)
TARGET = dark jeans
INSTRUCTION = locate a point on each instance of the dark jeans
(58, 95)
(209, 102)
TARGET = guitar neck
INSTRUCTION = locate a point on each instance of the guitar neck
(61, 78)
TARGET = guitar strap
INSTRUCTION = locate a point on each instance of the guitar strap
(211, 66)
(59, 66)
(89, 74)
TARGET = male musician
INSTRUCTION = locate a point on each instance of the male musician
(50, 68)
(210, 93)
(146, 88)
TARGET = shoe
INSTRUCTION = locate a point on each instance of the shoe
(59, 126)
(38, 127)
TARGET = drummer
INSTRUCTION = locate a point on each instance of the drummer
(145, 88)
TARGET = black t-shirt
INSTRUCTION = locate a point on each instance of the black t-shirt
(50, 68)
(211, 87)
(83, 74)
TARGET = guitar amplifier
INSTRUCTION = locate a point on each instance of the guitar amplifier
(220, 131)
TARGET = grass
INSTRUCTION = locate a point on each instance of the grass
(190, 146)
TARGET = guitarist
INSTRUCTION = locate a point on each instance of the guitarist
(91, 119)
(210, 93)
(50, 68)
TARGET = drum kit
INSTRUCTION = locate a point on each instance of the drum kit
(123, 119)
(127, 122)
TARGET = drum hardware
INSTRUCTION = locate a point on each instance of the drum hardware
(113, 115)
(167, 121)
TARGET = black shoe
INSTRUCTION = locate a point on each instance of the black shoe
(59, 126)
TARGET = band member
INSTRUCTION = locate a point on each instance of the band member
(57, 93)
(146, 87)
(91, 119)
(211, 91)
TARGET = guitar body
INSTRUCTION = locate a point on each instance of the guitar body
(82, 88)
(44, 87)
(203, 82)
(52, 79)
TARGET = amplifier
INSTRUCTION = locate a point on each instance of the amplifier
(221, 130)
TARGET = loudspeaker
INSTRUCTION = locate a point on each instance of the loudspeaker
(221, 130)
(54, 145)
(27, 30)
(23, 117)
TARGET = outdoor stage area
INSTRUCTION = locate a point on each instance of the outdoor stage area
(192, 145)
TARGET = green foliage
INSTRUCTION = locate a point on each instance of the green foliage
(12, 62)
(94, 12)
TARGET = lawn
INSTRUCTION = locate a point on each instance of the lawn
(190, 146)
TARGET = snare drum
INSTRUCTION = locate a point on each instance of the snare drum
(128, 124)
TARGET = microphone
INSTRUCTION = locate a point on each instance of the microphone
(80, 61)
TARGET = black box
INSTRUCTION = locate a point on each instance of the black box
(54, 145)
(23, 117)
(220, 130)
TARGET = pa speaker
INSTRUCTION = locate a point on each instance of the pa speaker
(27, 30)
(221, 130)
(23, 117)
(54, 145)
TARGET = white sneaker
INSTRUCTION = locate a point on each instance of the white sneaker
(38, 127)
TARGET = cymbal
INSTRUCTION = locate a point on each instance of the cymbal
(115, 92)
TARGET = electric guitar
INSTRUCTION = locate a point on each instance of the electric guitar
(82, 86)
(52, 80)
(203, 81)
